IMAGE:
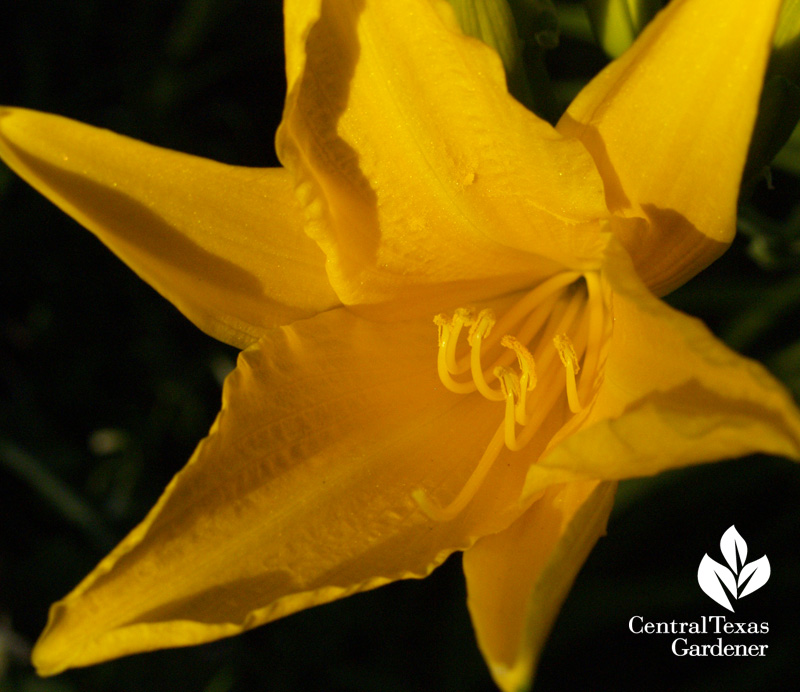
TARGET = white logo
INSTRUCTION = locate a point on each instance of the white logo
(740, 580)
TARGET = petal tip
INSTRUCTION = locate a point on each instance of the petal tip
(6, 114)
(58, 644)
(48, 656)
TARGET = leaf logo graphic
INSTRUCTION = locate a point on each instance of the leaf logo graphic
(738, 579)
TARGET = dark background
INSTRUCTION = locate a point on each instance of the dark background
(105, 389)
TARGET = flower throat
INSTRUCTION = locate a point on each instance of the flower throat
(562, 318)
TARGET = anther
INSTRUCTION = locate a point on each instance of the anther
(527, 365)
(445, 325)
(482, 326)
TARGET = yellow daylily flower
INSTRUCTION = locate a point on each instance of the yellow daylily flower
(353, 448)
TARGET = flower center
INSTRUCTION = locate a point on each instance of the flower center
(563, 319)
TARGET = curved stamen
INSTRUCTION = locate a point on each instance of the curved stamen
(544, 406)
(561, 316)
(477, 333)
(569, 358)
(461, 318)
(527, 380)
(448, 335)
(470, 488)
(512, 391)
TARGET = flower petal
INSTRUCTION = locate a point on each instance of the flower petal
(672, 395)
(301, 494)
(517, 579)
(669, 125)
(417, 168)
(225, 244)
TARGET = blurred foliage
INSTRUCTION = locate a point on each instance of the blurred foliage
(492, 21)
(105, 390)
(779, 111)
(617, 23)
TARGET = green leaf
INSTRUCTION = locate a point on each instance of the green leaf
(617, 23)
(778, 115)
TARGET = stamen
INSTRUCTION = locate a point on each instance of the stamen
(437, 513)
(511, 388)
(448, 335)
(527, 365)
(527, 381)
(537, 305)
(537, 319)
(540, 322)
(561, 321)
(595, 339)
(544, 405)
(477, 333)
(509, 382)
(461, 317)
(530, 301)
(566, 351)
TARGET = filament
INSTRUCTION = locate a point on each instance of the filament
(469, 489)
(595, 339)
(569, 359)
